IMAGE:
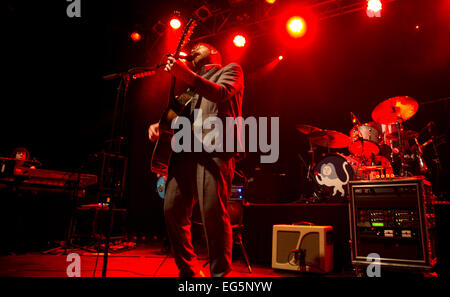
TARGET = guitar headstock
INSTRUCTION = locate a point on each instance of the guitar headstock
(187, 32)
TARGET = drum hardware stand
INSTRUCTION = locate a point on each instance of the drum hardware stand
(423, 166)
(436, 158)
(312, 164)
(363, 156)
(403, 170)
(310, 172)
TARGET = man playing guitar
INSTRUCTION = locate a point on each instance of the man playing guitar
(216, 91)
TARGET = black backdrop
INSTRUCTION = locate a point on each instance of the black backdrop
(55, 103)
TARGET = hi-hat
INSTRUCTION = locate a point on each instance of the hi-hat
(395, 109)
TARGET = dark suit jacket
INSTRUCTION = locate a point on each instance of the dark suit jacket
(222, 99)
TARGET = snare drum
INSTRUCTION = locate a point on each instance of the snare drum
(332, 174)
(365, 140)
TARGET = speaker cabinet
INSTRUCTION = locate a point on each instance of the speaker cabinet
(302, 248)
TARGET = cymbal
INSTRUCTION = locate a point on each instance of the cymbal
(400, 108)
(330, 138)
(306, 129)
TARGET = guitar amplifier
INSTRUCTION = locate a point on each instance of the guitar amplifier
(302, 248)
(394, 219)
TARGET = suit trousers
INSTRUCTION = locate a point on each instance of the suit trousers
(206, 179)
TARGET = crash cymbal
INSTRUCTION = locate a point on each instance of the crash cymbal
(400, 108)
(307, 129)
(330, 139)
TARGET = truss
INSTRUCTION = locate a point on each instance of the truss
(256, 16)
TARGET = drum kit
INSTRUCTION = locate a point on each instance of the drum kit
(381, 149)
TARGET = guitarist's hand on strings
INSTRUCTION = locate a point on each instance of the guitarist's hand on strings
(180, 70)
(153, 132)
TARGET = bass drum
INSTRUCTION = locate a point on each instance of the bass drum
(332, 175)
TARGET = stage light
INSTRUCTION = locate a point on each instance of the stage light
(135, 36)
(296, 26)
(271, 1)
(374, 8)
(175, 23)
(239, 41)
(280, 58)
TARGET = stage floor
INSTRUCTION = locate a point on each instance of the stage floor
(147, 259)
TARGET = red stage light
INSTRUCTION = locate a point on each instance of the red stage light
(296, 26)
(175, 23)
(271, 1)
(374, 8)
(239, 41)
(135, 36)
(280, 58)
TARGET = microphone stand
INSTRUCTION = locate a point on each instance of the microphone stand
(115, 144)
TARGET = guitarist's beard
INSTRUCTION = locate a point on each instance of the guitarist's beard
(200, 61)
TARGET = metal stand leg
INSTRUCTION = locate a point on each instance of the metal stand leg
(244, 252)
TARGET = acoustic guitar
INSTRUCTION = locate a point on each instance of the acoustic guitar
(163, 148)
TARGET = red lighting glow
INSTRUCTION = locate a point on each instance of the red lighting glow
(296, 26)
(182, 56)
(374, 8)
(135, 36)
(271, 1)
(239, 41)
(280, 58)
(175, 23)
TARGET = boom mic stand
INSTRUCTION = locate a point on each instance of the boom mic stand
(115, 143)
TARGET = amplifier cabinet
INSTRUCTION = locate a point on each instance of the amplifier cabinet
(394, 219)
(302, 248)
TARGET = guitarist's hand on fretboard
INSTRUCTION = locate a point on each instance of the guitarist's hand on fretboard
(180, 70)
(153, 132)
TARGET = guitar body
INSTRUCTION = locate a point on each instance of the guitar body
(162, 152)
(163, 148)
